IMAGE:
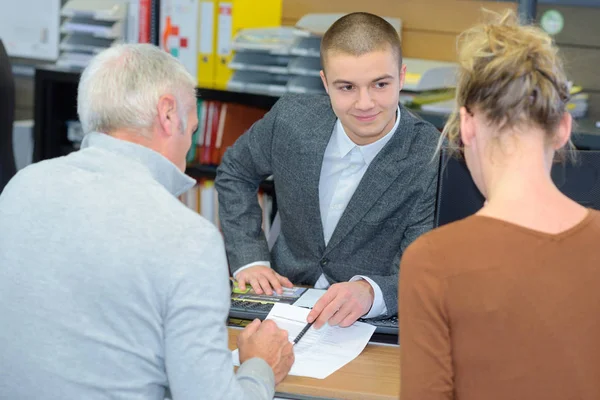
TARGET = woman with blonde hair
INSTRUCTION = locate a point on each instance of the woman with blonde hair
(505, 304)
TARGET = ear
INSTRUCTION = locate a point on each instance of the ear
(564, 131)
(402, 75)
(324, 80)
(167, 114)
(467, 126)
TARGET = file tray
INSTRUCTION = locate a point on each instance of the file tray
(422, 75)
(305, 84)
(91, 27)
(258, 83)
(85, 43)
(74, 60)
(255, 61)
(307, 66)
(99, 10)
(307, 47)
(277, 40)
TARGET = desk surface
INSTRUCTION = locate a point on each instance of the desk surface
(373, 375)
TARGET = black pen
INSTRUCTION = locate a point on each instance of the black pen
(302, 332)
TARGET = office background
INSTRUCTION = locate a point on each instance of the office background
(429, 31)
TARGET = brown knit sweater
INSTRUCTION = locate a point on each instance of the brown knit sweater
(491, 310)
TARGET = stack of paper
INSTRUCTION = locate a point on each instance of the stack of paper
(320, 352)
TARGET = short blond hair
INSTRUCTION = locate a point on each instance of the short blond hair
(360, 33)
(511, 73)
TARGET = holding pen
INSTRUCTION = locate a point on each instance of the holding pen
(302, 333)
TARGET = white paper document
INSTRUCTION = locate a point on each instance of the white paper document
(310, 298)
(320, 352)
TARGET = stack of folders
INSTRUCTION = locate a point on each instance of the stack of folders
(219, 126)
(199, 33)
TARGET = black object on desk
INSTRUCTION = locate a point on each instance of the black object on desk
(302, 332)
(458, 197)
(386, 330)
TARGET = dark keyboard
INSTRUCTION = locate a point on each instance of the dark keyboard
(250, 310)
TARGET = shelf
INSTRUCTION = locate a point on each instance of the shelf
(56, 93)
(199, 171)
(248, 99)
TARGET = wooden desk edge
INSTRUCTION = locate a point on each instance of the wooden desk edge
(373, 375)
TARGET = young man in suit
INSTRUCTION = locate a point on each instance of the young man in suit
(353, 175)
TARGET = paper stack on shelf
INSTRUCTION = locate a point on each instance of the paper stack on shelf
(429, 85)
(90, 26)
(277, 40)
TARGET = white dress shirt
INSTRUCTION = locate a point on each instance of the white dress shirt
(344, 165)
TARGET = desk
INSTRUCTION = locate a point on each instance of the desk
(373, 375)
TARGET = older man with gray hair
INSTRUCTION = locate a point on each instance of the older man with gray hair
(109, 286)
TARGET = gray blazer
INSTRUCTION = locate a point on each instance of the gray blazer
(393, 204)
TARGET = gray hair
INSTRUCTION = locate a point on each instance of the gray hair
(121, 86)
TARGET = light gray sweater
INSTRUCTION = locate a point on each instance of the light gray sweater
(110, 288)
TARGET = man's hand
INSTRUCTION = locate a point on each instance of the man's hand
(342, 304)
(262, 279)
(265, 340)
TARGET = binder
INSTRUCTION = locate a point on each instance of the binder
(154, 22)
(145, 21)
(179, 31)
(206, 43)
(232, 16)
(191, 155)
(139, 21)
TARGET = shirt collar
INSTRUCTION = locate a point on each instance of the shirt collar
(369, 151)
(162, 170)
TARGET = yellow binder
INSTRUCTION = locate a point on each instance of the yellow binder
(206, 43)
(234, 15)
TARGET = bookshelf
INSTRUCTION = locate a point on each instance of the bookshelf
(210, 171)
(249, 99)
(55, 102)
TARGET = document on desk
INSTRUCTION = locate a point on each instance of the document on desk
(310, 298)
(320, 352)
